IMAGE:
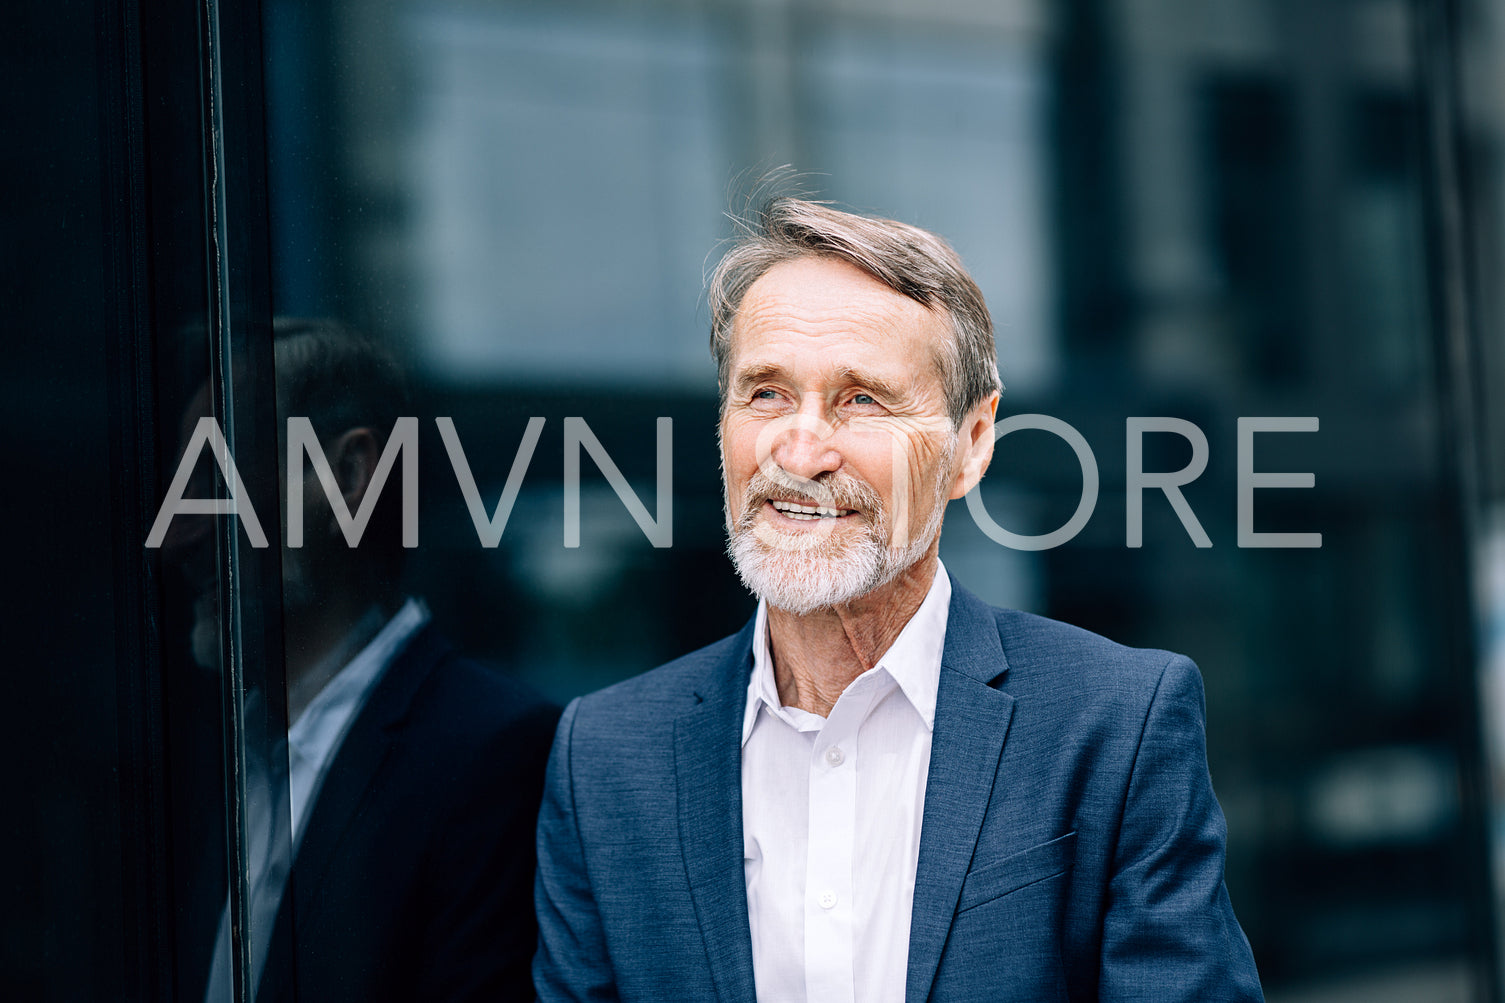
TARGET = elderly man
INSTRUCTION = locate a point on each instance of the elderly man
(932, 798)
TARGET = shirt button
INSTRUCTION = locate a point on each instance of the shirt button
(827, 900)
(835, 756)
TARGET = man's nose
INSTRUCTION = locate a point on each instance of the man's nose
(807, 450)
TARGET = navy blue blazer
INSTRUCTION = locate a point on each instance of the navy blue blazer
(1070, 848)
(413, 879)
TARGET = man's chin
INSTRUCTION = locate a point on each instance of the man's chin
(799, 579)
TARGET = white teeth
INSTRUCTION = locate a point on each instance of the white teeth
(797, 511)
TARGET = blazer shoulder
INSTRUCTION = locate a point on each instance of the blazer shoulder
(1039, 646)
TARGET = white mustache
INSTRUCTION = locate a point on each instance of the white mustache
(839, 490)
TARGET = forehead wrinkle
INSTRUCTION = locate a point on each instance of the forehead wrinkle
(873, 328)
(794, 294)
(817, 320)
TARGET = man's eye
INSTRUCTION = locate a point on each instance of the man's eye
(765, 395)
(863, 399)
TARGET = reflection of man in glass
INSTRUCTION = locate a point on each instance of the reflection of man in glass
(413, 773)
(881, 789)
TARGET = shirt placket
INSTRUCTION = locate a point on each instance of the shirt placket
(830, 923)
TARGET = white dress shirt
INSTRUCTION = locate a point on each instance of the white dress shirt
(312, 741)
(831, 813)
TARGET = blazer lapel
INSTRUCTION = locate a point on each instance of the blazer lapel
(708, 771)
(971, 722)
(359, 759)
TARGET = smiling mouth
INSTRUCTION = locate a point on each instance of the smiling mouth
(800, 511)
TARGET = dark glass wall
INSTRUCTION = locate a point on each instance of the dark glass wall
(71, 588)
(1209, 213)
(135, 282)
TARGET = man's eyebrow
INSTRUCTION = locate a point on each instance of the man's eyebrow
(845, 376)
(756, 374)
(886, 389)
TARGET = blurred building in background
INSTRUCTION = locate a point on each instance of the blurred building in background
(1206, 211)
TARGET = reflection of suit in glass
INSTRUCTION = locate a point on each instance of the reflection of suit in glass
(1071, 846)
(412, 878)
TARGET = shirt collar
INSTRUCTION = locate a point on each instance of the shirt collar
(761, 688)
(322, 723)
(913, 660)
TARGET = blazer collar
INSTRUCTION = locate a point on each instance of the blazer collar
(708, 772)
(360, 757)
(973, 646)
(348, 783)
(971, 723)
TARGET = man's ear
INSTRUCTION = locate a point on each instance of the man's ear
(976, 446)
(353, 457)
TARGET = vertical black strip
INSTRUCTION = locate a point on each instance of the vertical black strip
(146, 921)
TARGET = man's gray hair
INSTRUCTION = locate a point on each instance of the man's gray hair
(910, 261)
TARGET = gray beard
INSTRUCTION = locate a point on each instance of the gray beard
(805, 572)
